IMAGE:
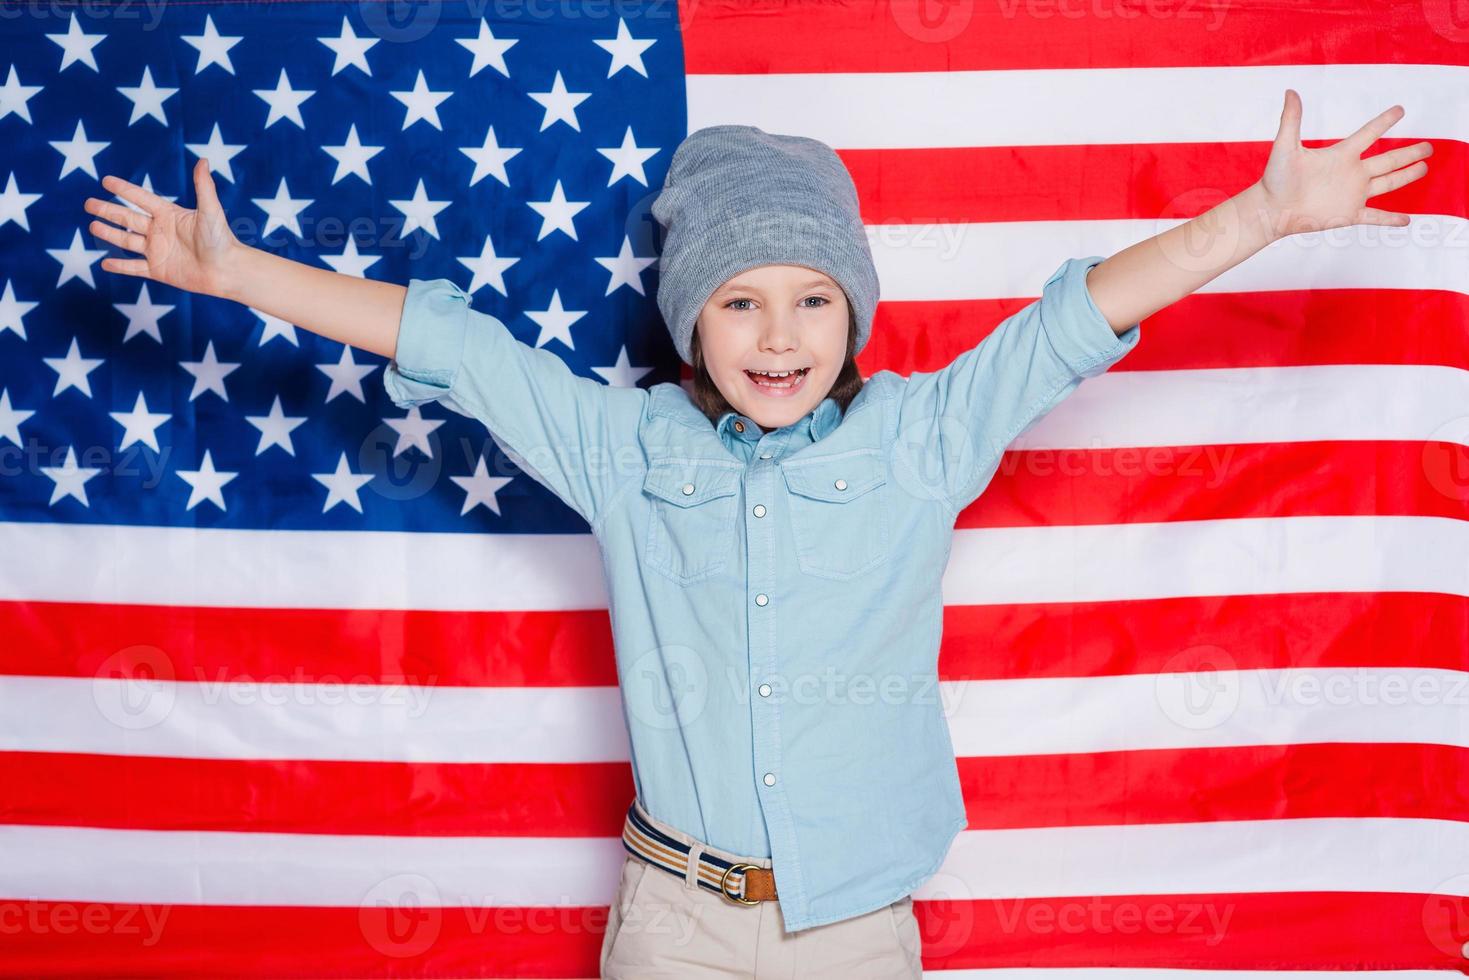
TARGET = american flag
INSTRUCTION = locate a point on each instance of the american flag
(295, 684)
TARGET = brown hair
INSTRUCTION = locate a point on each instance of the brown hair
(713, 403)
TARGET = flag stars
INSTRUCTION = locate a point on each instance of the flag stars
(78, 152)
(218, 152)
(69, 479)
(480, 488)
(275, 327)
(76, 45)
(282, 210)
(350, 262)
(489, 159)
(626, 268)
(627, 159)
(209, 374)
(421, 103)
(14, 96)
(560, 105)
(557, 213)
(76, 261)
(555, 321)
(13, 204)
(349, 48)
(213, 48)
(11, 418)
(143, 316)
(346, 375)
(488, 268)
(140, 425)
(413, 430)
(206, 483)
(622, 374)
(13, 311)
(147, 185)
(626, 50)
(275, 428)
(72, 370)
(352, 157)
(342, 486)
(419, 212)
(284, 101)
(147, 98)
(488, 50)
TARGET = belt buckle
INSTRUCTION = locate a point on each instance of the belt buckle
(724, 890)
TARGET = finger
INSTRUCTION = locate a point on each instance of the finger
(1375, 216)
(128, 191)
(116, 236)
(1382, 163)
(1396, 179)
(204, 187)
(1371, 129)
(127, 267)
(1289, 133)
(119, 215)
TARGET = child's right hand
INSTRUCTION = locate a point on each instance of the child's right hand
(193, 250)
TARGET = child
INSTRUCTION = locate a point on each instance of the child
(773, 547)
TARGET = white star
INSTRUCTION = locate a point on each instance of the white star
(284, 101)
(275, 327)
(11, 418)
(487, 50)
(14, 96)
(275, 428)
(70, 479)
(346, 375)
(419, 212)
(627, 159)
(560, 104)
(143, 316)
(77, 152)
(626, 50)
(555, 321)
(218, 152)
(209, 374)
(212, 47)
(413, 430)
(556, 214)
(140, 425)
(342, 486)
(147, 98)
(77, 46)
(352, 157)
(421, 103)
(488, 268)
(72, 370)
(206, 482)
(480, 488)
(349, 48)
(76, 261)
(490, 159)
(350, 262)
(147, 185)
(282, 210)
(626, 268)
(13, 311)
(622, 374)
(13, 204)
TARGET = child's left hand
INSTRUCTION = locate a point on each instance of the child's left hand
(1311, 189)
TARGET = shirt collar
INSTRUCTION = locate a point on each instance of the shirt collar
(820, 421)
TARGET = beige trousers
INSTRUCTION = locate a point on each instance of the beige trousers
(665, 927)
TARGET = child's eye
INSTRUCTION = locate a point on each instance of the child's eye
(734, 301)
(823, 299)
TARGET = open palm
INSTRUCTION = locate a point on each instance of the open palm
(1311, 189)
(180, 247)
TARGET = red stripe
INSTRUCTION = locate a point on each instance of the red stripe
(734, 37)
(589, 800)
(1270, 930)
(1248, 632)
(1250, 782)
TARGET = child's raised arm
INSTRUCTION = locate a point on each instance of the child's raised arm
(196, 251)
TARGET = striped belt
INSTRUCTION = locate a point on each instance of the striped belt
(744, 884)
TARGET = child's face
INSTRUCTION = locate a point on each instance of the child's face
(774, 318)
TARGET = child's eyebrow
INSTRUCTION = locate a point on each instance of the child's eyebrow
(813, 284)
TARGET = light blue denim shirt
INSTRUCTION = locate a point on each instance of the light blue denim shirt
(775, 596)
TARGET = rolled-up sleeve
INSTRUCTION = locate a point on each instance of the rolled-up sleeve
(574, 435)
(963, 416)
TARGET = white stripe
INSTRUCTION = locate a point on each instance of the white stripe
(1068, 106)
(1194, 704)
(1133, 973)
(1007, 259)
(228, 868)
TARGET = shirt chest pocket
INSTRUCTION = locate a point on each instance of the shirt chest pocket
(839, 515)
(691, 525)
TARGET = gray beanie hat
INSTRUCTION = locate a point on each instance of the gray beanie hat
(737, 197)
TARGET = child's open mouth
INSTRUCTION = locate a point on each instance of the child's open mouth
(778, 383)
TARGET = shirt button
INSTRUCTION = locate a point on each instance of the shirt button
(759, 510)
(841, 484)
(764, 455)
(739, 426)
(761, 599)
(688, 488)
(765, 690)
(770, 779)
